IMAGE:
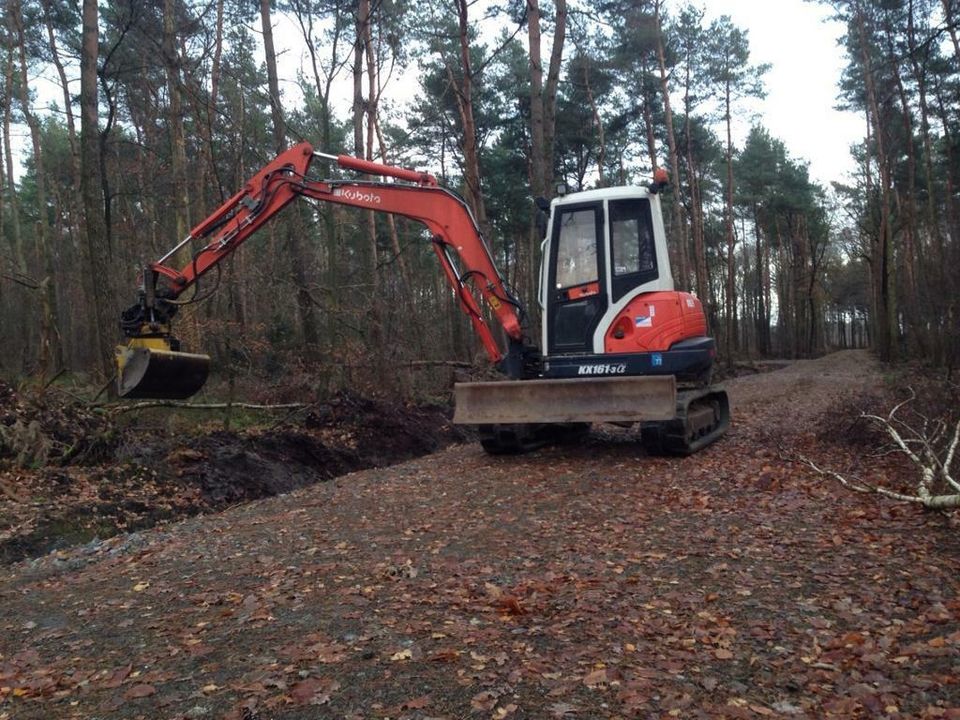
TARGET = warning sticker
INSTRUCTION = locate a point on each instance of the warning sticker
(644, 321)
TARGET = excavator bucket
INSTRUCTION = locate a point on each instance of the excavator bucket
(576, 400)
(145, 372)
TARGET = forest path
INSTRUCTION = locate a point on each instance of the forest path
(579, 582)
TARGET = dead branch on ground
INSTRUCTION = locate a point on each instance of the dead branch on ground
(119, 409)
(929, 443)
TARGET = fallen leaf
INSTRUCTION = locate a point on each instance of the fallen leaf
(510, 605)
(115, 679)
(562, 709)
(444, 656)
(139, 691)
(313, 691)
(417, 703)
(402, 655)
(596, 678)
(484, 700)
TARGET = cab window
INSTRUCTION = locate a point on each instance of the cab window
(633, 250)
(577, 249)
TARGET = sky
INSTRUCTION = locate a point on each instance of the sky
(799, 40)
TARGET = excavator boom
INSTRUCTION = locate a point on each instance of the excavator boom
(149, 365)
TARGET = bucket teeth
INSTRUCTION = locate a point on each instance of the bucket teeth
(160, 374)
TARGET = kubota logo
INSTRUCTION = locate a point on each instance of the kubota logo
(358, 196)
(602, 369)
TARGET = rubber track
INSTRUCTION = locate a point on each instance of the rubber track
(674, 437)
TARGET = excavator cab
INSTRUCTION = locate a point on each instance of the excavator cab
(607, 291)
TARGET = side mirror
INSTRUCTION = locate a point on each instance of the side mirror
(543, 210)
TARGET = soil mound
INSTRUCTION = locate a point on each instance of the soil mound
(51, 499)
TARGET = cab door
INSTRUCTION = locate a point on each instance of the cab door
(576, 291)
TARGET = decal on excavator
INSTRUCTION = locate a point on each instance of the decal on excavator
(358, 196)
(602, 369)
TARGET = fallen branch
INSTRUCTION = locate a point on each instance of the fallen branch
(436, 363)
(859, 485)
(23, 280)
(119, 409)
(932, 449)
(8, 491)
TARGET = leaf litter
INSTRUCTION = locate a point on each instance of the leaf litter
(576, 582)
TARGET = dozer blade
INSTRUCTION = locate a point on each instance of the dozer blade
(576, 400)
(160, 374)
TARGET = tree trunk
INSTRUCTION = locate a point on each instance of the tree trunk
(19, 256)
(97, 260)
(550, 95)
(295, 230)
(682, 276)
(178, 152)
(911, 256)
(303, 10)
(537, 143)
(598, 122)
(51, 353)
(731, 330)
(761, 319)
(886, 335)
(948, 8)
(67, 99)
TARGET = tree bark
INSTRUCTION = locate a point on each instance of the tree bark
(886, 317)
(463, 92)
(67, 99)
(682, 276)
(50, 356)
(550, 94)
(178, 153)
(730, 323)
(295, 230)
(19, 256)
(97, 260)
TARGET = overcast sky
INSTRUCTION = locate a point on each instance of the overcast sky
(799, 41)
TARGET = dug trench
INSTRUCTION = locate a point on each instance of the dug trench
(70, 476)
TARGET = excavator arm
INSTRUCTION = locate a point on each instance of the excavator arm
(150, 364)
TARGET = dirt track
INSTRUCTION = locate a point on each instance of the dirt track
(580, 582)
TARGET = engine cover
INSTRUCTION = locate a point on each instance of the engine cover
(655, 322)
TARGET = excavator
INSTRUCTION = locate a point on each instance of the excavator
(618, 343)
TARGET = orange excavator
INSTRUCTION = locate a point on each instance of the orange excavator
(619, 344)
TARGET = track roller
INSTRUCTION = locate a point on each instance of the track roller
(703, 416)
